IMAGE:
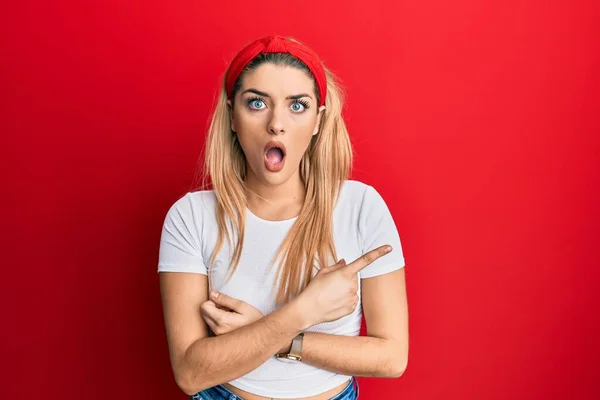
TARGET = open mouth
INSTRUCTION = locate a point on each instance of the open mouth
(274, 156)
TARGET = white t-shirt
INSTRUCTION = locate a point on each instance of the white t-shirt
(361, 222)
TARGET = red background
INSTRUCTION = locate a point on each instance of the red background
(478, 121)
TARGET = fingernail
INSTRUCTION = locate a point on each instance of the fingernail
(388, 249)
(343, 262)
(214, 294)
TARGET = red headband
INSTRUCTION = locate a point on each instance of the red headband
(277, 44)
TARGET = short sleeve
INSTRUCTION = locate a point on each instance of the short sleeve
(180, 239)
(377, 228)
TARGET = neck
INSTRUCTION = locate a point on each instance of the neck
(265, 199)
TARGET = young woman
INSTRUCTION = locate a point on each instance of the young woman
(259, 302)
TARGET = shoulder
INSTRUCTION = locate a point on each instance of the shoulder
(353, 190)
(359, 201)
(196, 199)
(358, 193)
(354, 185)
(375, 226)
(366, 203)
(192, 205)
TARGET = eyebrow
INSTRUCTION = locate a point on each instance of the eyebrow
(293, 97)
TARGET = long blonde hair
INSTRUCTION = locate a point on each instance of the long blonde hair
(323, 169)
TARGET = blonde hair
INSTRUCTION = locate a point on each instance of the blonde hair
(324, 167)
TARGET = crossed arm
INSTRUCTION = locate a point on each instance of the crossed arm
(384, 351)
(200, 361)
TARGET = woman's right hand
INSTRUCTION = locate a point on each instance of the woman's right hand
(333, 291)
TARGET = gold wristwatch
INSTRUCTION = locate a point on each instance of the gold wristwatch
(295, 353)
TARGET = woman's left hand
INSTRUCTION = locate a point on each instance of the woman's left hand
(224, 314)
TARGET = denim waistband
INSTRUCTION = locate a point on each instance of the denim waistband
(220, 392)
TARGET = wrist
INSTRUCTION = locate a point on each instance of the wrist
(286, 349)
(289, 319)
(301, 310)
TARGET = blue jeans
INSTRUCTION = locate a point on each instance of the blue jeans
(220, 392)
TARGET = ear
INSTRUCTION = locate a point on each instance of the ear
(319, 117)
(230, 107)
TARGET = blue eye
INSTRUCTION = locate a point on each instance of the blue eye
(255, 103)
(299, 106)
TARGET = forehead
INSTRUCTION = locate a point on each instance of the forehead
(278, 80)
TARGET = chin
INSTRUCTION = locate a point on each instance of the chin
(274, 179)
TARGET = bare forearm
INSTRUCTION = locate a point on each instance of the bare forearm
(212, 361)
(354, 355)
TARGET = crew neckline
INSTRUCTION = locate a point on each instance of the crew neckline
(268, 221)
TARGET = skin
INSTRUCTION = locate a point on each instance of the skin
(275, 117)
(244, 337)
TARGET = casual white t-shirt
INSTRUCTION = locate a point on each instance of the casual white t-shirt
(361, 222)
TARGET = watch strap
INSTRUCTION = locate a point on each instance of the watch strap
(296, 349)
(295, 352)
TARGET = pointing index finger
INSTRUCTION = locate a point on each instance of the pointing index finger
(360, 263)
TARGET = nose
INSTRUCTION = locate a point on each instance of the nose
(277, 123)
